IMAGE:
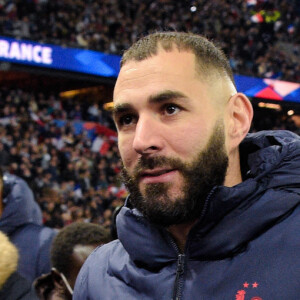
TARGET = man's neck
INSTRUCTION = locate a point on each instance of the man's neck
(180, 233)
(233, 174)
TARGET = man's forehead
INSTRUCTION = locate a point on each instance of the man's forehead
(161, 60)
(172, 63)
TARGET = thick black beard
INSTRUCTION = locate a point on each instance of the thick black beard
(200, 176)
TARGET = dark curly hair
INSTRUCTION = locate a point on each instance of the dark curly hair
(72, 235)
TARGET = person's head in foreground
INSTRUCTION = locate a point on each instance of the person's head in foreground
(180, 121)
(70, 248)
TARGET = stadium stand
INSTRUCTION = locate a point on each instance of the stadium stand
(260, 37)
(72, 174)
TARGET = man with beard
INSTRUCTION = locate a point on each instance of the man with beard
(212, 210)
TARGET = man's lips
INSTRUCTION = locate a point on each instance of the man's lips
(155, 172)
(157, 175)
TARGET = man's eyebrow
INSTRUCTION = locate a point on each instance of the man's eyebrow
(166, 96)
(121, 108)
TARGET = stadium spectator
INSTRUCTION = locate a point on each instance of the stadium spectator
(12, 285)
(69, 250)
(21, 221)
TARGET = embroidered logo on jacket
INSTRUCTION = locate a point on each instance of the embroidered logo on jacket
(241, 294)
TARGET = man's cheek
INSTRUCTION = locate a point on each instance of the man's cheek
(127, 161)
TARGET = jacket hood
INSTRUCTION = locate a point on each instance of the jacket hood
(19, 205)
(8, 259)
(272, 155)
(233, 216)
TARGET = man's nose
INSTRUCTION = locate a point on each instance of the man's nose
(148, 136)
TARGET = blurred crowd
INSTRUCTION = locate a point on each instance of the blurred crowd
(260, 37)
(74, 175)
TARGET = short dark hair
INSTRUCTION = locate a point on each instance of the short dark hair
(72, 235)
(209, 57)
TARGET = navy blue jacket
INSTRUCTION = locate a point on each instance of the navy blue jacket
(245, 246)
(22, 222)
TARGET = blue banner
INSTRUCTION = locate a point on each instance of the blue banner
(266, 88)
(56, 57)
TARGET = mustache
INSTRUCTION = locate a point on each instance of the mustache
(150, 163)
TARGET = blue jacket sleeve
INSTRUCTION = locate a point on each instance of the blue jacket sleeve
(81, 284)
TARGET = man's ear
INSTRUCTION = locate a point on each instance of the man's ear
(240, 118)
(61, 283)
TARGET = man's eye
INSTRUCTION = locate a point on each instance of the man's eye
(171, 109)
(126, 120)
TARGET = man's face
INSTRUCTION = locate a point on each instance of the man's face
(171, 136)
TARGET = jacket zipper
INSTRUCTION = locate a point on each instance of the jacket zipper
(181, 257)
(179, 271)
(179, 277)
